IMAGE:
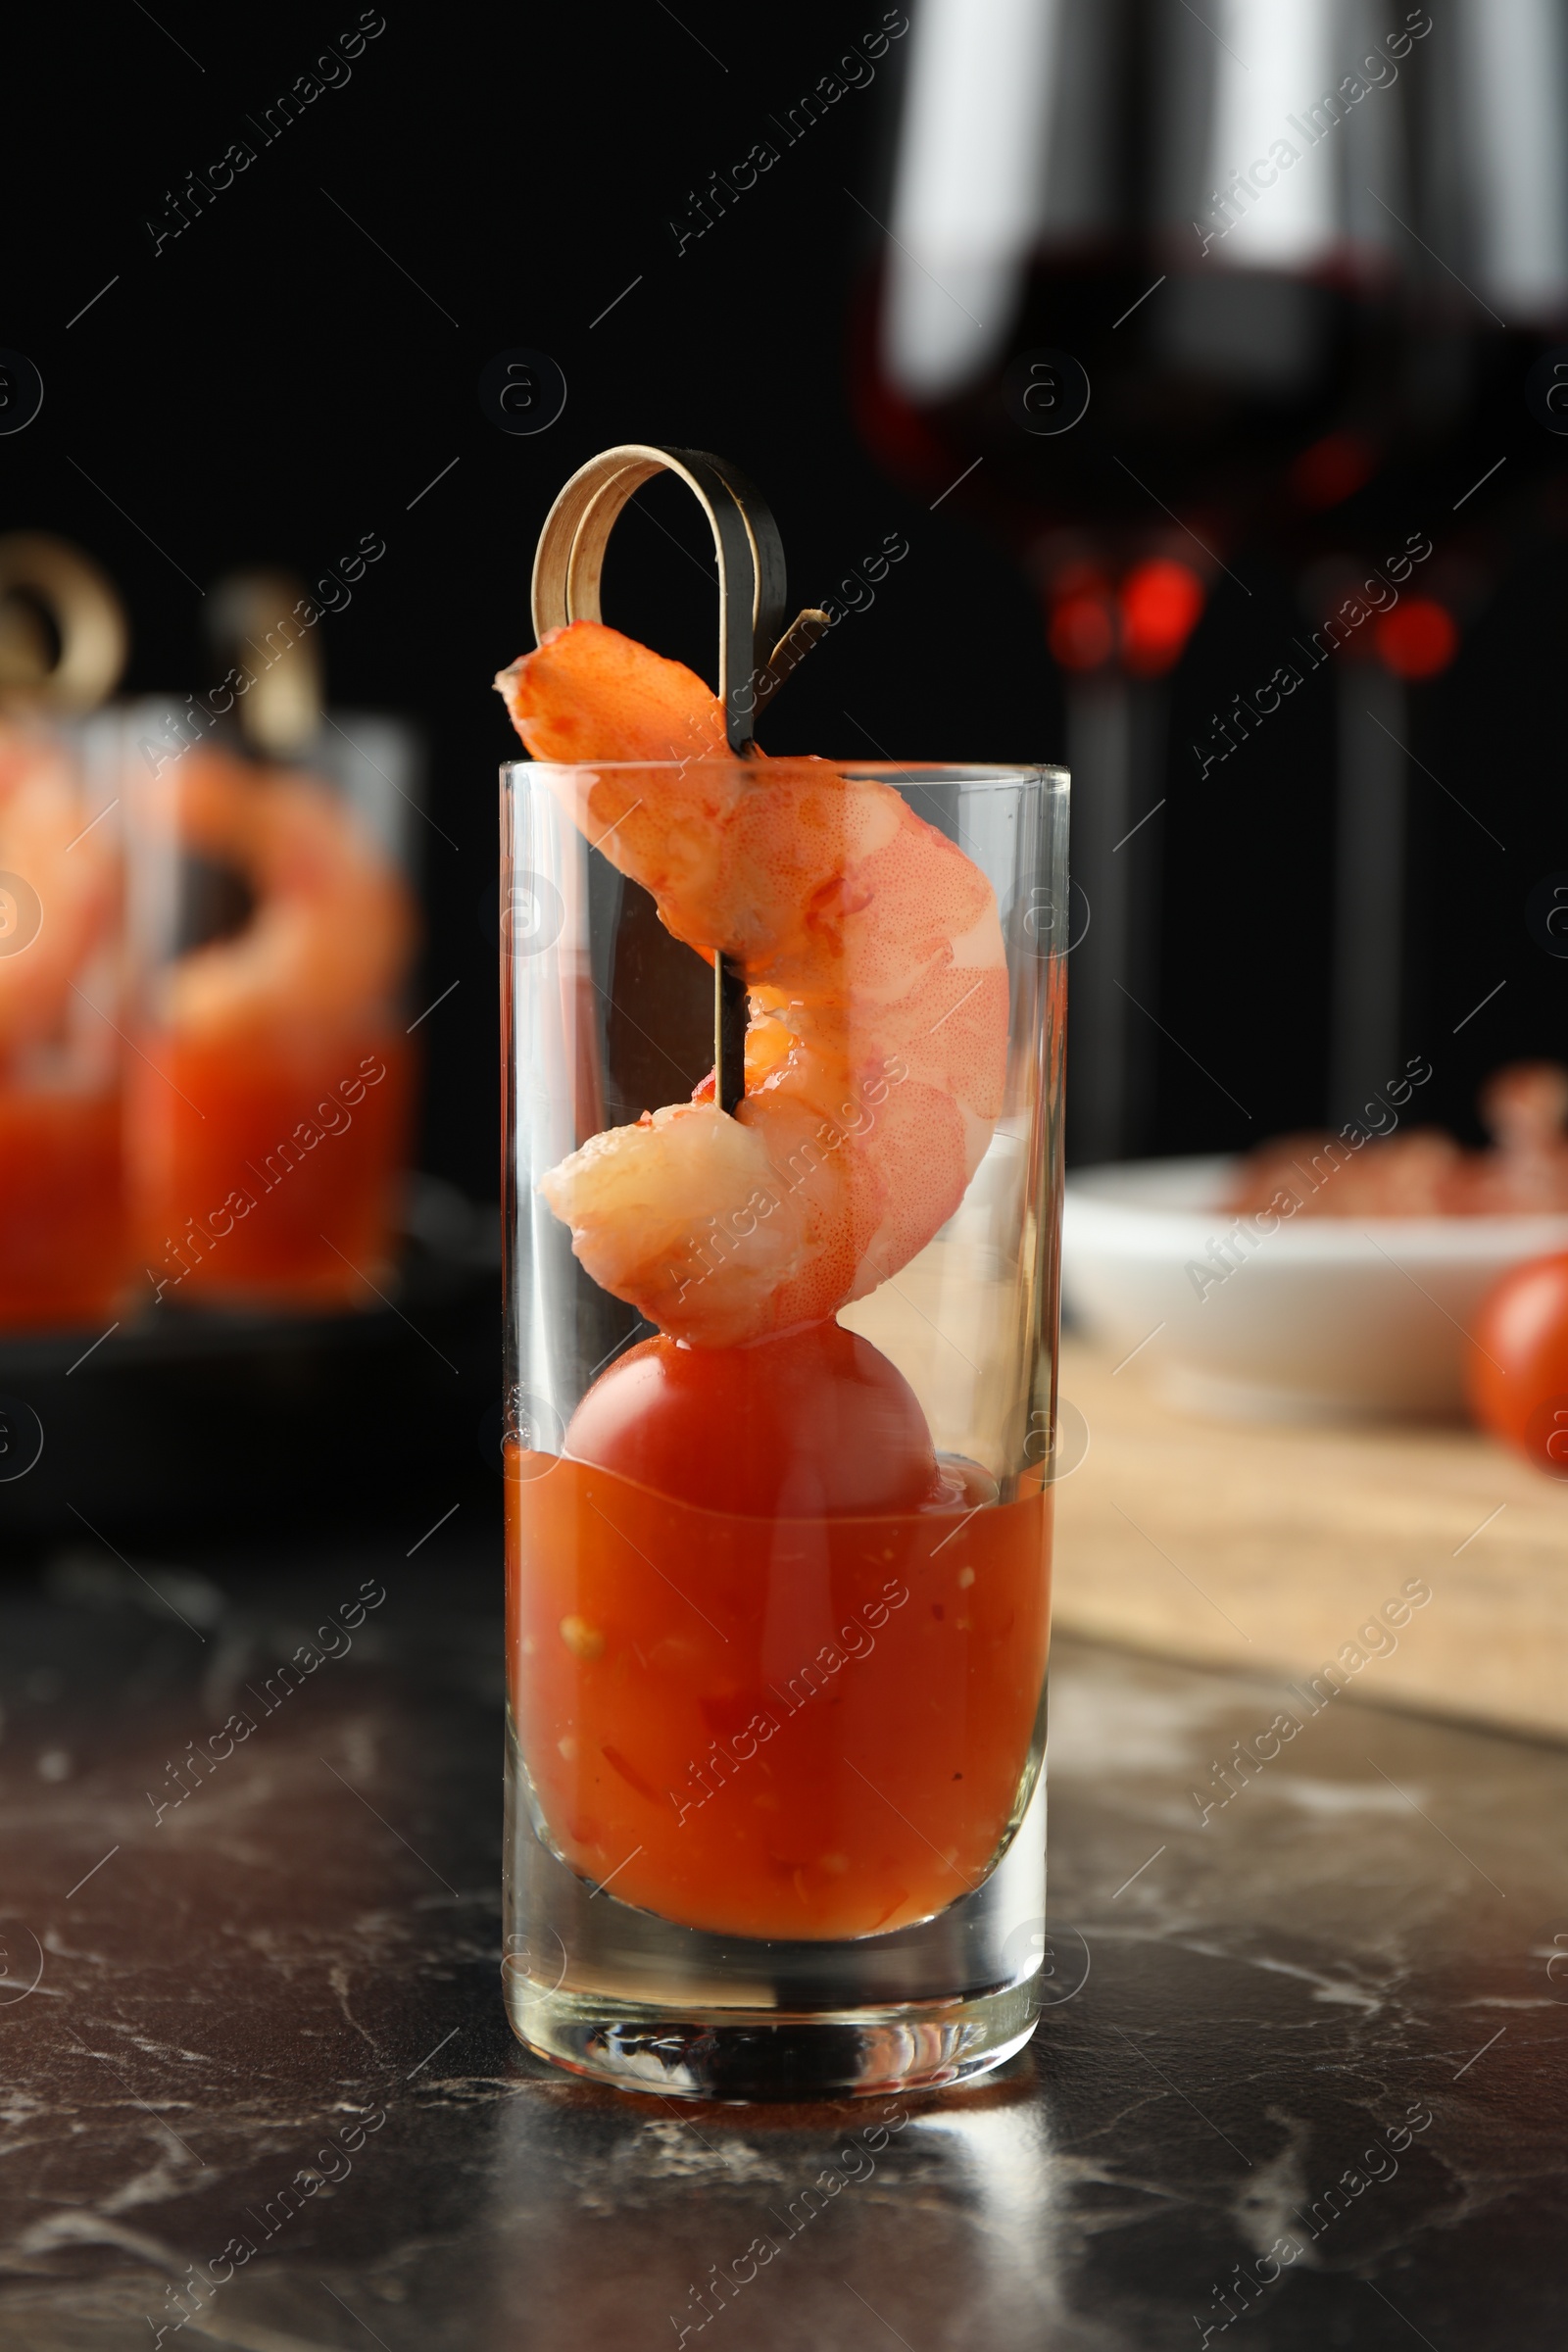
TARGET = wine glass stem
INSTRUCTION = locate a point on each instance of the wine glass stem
(1115, 750)
(1368, 967)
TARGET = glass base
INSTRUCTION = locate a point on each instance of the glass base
(763, 2054)
(618, 1994)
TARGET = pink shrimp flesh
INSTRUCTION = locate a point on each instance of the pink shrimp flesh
(876, 1049)
(1425, 1173)
(332, 927)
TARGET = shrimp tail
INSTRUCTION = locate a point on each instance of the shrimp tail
(589, 693)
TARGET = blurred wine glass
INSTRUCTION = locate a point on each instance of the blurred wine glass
(1137, 307)
(1481, 402)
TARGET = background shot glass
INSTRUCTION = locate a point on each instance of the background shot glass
(776, 1789)
(271, 1094)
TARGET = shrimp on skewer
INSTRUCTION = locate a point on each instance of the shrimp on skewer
(877, 981)
(331, 928)
(249, 1036)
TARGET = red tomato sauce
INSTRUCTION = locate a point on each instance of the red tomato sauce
(270, 1174)
(771, 1725)
(63, 1240)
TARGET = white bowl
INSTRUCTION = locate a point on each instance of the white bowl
(1320, 1318)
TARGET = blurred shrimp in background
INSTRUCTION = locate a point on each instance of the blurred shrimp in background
(270, 1097)
(204, 1080)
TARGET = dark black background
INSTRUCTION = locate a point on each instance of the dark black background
(277, 381)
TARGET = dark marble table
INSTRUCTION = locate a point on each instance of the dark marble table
(1302, 2072)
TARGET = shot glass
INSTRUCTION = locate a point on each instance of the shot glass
(776, 1789)
(270, 1096)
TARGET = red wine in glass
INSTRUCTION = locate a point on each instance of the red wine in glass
(1123, 327)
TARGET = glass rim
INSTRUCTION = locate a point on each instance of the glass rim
(933, 772)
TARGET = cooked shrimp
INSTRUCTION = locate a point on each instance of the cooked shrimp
(333, 925)
(1396, 1176)
(69, 871)
(1426, 1173)
(1525, 1107)
(877, 981)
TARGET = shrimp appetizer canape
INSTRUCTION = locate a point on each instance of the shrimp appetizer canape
(777, 1665)
(271, 1094)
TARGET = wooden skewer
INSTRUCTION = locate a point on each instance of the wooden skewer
(756, 653)
(282, 710)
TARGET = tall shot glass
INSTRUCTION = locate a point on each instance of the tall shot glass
(775, 1792)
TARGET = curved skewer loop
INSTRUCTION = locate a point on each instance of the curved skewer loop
(754, 657)
(88, 618)
(281, 711)
(569, 563)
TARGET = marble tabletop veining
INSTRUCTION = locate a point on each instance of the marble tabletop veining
(1302, 2072)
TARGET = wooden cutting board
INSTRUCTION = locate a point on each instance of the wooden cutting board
(1271, 1547)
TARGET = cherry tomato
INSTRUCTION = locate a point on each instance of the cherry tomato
(1517, 1364)
(815, 1425)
